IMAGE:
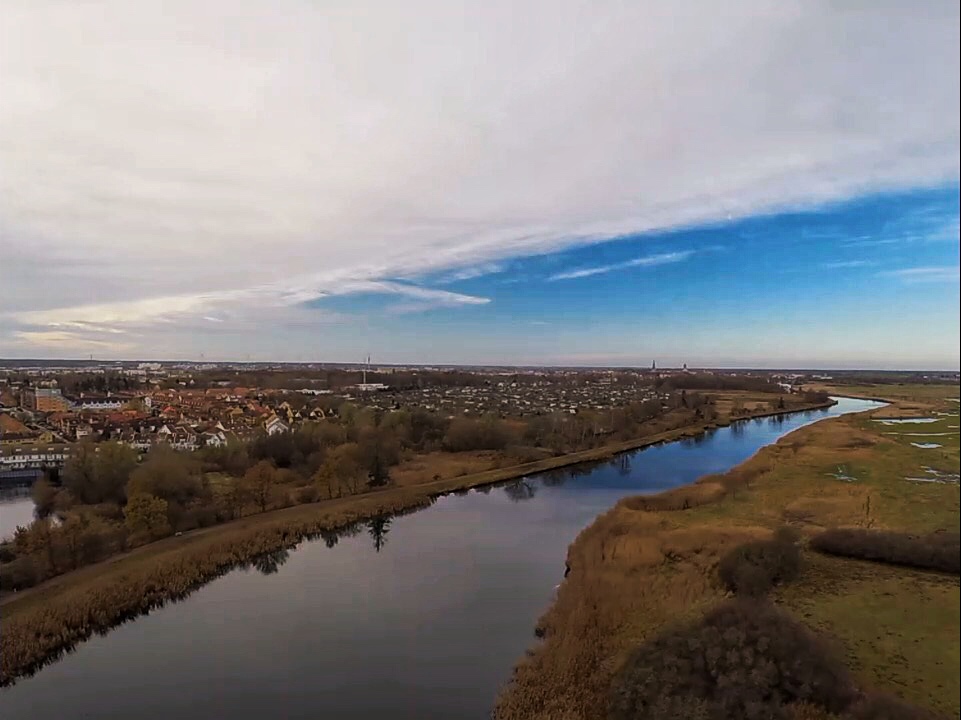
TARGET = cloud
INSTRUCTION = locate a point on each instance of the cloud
(162, 164)
(844, 264)
(646, 261)
(926, 274)
(475, 271)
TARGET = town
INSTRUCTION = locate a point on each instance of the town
(45, 410)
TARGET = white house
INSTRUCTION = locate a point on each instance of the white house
(275, 425)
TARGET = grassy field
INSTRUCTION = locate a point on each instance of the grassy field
(651, 561)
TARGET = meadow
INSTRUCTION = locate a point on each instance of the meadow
(650, 563)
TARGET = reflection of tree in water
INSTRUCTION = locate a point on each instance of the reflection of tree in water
(519, 490)
(737, 429)
(269, 563)
(378, 528)
(623, 464)
(702, 438)
(484, 489)
(556, 477)
(330, 537)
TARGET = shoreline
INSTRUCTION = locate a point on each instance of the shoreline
(648, 562)
(44, 621)
(524, 696)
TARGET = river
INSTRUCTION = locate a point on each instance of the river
(417, 616)
(16, 508)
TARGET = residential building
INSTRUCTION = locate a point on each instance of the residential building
(44, 398)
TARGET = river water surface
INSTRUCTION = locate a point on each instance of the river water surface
(419, 616)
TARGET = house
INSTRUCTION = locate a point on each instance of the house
(215, 438)
(275, 425)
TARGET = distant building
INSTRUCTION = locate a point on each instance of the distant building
(98, 403)
(370, 387)
(45, 398)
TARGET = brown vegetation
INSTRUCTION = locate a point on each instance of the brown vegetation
(652, 562)
(934, 551)
(742, 659)
(753, 568)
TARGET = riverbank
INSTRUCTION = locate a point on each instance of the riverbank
(650, 563)
(45, 620)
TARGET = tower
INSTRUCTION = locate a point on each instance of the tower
(653, 365)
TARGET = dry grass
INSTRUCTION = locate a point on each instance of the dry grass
(652, 560)
(632, 572)
(444, 465)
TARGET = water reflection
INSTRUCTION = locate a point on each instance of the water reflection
(378, 528)
(520, 490)
(268, 563)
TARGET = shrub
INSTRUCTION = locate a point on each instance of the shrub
(753, 568)
(937, 551)
(308, 494)
(19, 574)
(744, 659)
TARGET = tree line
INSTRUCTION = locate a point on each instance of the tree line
(110, 501)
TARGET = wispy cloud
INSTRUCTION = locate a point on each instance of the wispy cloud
(926, 274)
(469, 273)
(646, 261)
(237, 309)
(844, 264)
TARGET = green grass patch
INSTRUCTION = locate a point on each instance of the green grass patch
(898, 627)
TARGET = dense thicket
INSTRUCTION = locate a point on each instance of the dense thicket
(744, 659)
(753, 568)
(937, 551)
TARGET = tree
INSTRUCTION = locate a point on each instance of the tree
(84, 537)
(342, 470)
(145, 516)
(99, 473)
(169, 475)
(259, 482)
(37, 539)
(378, 451)
(44, 498)
(80, 472)
(115, 462)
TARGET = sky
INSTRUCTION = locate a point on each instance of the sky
(763, 183)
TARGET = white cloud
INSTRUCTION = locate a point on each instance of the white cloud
(926, 274)
(646, 261)
(163, 163)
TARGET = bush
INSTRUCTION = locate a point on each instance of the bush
(937, 551)
(308, 494)
(744, 659)
(19, 574)
(754, 568)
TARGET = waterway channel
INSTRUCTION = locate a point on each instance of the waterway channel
(417, 616)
